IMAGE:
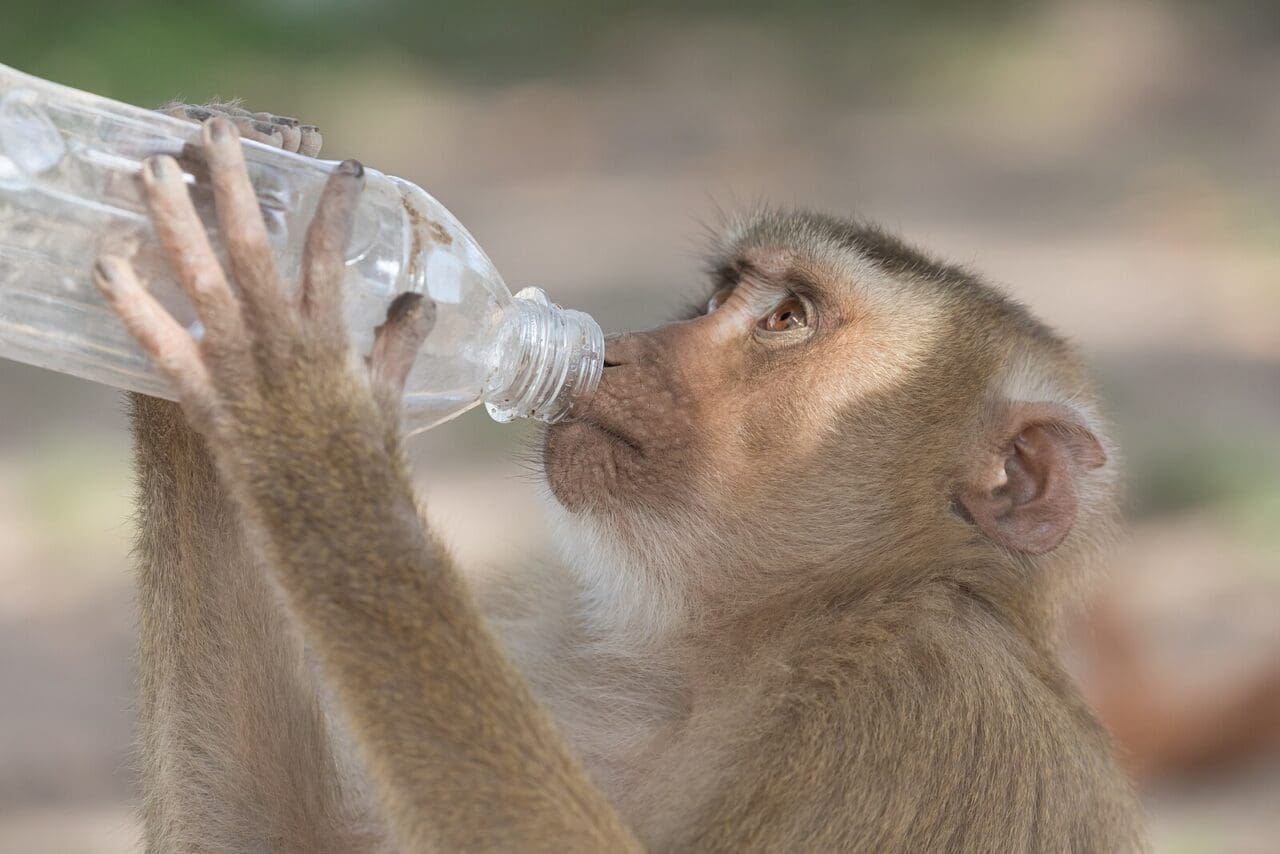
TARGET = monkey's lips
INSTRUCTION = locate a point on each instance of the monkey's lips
(614, 434)
(591, 461)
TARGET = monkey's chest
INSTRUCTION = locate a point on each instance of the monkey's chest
(658, 762)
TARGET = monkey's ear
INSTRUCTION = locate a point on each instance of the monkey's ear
(1022, 492)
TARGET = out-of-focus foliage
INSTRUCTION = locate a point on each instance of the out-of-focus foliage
(117, 47)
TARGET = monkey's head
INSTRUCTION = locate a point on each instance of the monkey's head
(842, 410)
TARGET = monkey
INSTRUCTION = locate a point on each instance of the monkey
(815, 540)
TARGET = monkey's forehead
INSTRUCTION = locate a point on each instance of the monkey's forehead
(820, 237)
(835, 250)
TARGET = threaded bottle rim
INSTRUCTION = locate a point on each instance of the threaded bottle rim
(554, 356)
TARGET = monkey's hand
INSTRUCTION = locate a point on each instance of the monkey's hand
(305, 437)
(272, 376)
(280, 131)
(259, 766)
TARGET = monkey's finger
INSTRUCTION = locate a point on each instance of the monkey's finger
(172, 349)
(249, 125)
(230, 108)
(266, 308)
(188, 112)
(183, 237)
(287, 127)
(324, 255)
(396, 342)
(264, 116)
(311, 141)
(257, 131)
(292, 137)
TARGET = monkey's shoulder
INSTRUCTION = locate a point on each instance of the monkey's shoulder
(926, 721)
(945, 717)
(952, 665)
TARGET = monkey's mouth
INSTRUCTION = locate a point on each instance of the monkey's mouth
(616, 437)
(591, 463)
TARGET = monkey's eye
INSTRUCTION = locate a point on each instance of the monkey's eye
(719, 298)
(788, 314)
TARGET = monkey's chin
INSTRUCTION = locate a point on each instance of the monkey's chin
(591, 466)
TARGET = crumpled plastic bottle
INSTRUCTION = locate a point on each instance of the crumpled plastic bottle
(69, 191)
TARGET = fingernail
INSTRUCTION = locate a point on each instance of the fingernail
(103, 273)
(199, 114)
(265, 127)
(284, 120)
(157, 167)
(351, 167)
(220, 129)
(311, 128)
(403, 306)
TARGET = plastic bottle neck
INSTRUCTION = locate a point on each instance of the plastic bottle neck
(550, 362)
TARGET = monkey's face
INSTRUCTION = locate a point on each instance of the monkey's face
(841, 404)
(773, 421)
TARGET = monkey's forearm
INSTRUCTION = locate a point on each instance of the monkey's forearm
(235, 749)
(304, 438)
(434, 704)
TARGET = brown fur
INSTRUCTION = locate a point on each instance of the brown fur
(772, 629)
(840, 659)
(235, 747)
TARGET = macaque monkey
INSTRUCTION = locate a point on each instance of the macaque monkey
(816, 537)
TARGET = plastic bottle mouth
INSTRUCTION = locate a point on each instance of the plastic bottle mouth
(553, 359)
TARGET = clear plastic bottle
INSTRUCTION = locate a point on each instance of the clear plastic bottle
(69, 191)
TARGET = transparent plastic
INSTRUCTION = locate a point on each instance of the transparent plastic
(69, 191)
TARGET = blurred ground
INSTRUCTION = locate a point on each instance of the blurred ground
(1113, 163)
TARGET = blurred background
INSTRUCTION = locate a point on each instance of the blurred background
(1116, 165)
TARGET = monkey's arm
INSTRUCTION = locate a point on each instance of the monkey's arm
(235, 753)
(307, 441)
(235, 750)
